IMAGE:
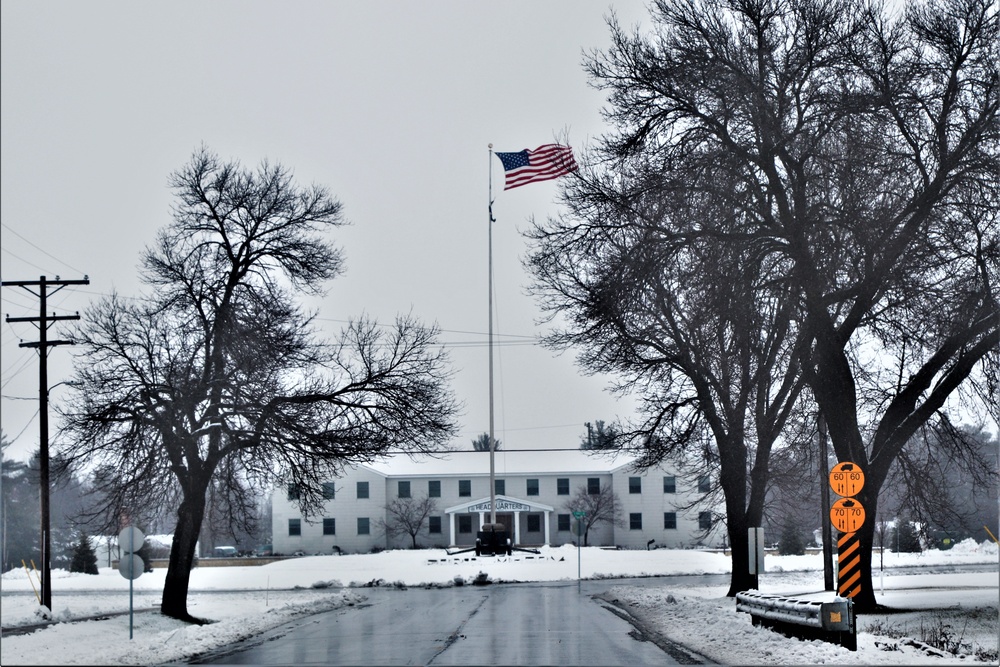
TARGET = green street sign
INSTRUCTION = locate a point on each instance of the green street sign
(579, 515)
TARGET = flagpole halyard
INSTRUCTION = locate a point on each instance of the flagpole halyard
(489, 223)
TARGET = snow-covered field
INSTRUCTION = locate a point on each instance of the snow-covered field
(958, 607)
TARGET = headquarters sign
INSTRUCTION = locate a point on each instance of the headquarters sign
(503, 505)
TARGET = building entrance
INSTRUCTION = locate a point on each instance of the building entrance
(507, 519)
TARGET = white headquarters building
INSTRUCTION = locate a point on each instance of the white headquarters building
(532, 490)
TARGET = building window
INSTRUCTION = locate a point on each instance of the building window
(363, 525)
(670, 520)
(594, 486)
(670, 484)
(635, 521)
(705, 520)
(329, 526)
(362, 490)
(403, 489)
(532, 487)
(295, 526)
(465, 489)
(562, 486)
(499, 487)
(329, 491)
(434, 524)
(562, 522)
(293, 492)
(704, 484)
(534, 523)
(434, 489)
(635, 484)
(464, 523)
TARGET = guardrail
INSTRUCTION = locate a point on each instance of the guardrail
(810, 619)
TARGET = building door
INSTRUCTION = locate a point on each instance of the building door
(507, 519)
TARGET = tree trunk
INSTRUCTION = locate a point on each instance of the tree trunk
(741, 579)
(190, 515)
(865, 600)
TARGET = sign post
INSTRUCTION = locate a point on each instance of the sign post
(130, 540)
(847, 515)
(755, 553)
(579, 516)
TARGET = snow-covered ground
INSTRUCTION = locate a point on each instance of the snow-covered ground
(960, 607)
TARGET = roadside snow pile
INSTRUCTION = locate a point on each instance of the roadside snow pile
(970, 546)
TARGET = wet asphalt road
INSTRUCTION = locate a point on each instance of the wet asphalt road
(508, 624)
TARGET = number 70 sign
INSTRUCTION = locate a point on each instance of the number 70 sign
(847, 515)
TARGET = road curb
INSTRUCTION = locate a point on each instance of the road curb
(28, 629)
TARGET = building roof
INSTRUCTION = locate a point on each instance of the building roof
(512, 462)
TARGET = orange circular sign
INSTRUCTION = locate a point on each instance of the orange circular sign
(847, 515)
(847, 479)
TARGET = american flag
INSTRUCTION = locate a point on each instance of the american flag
(542, 164)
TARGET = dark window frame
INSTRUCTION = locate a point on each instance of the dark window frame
(670, 484)
(465, 492)
(635, 521)
(295, 527)
(670, 521)
(562, 486)
(403, 488)
(433, 488)
(593, 486)
(635, 485)
(366, 525)
(329, 526)
(704, 484)
(367, 491)
(531, 487)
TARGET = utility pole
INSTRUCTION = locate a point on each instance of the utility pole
(43, 322)
(824, 493)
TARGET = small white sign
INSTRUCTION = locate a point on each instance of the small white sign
(131, 566)
(755, 549)
(131, 539)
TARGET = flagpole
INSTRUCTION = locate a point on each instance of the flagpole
(493, 487)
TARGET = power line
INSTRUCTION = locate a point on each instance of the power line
(47, 254)
(32, 419)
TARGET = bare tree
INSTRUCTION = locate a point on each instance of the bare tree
(706, 346)
(601, 507)
(407, 516)
(215, 376)
(599, 436)
(826, 151)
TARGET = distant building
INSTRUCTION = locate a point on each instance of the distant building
(533, 488)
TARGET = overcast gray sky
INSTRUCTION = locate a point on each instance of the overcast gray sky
(391, 105)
